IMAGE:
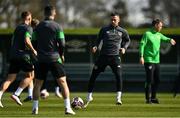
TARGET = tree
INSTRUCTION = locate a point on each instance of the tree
(10, 11)
(121, 8)
(70, 13)
(172, 8)
(166, 10)
(82, 13)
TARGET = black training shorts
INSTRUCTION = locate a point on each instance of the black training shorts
(103, 61)
(17, 65)
(42, 69)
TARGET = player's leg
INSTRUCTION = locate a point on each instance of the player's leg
(13, 70)
(116, 68)
(6, 84)
(176, 86)
(31, 85)
(66, 95)
(23, 84)
(41, 71)
(57, 90)
(58, 72)
(36, 94)
(91, 83)
(149, 78)
(155, 83)
(28, 68)
(99, 67)
(30, 91)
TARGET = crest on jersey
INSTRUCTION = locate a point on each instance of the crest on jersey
(120, 33)
(150, 67)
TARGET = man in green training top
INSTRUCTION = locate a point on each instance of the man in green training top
(149, 57)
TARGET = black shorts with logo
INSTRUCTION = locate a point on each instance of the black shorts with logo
(113, 61)
(42, 69)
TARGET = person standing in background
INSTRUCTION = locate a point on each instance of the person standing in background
(150, 57)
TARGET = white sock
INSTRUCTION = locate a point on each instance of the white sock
(30, 92)
(35, 104)
(57, 89)
(67, 103)
(89, 95)
(119, 93)
(1, 93)
(18, 91)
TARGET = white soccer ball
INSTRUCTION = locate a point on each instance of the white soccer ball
(77, 103)
(44, 94)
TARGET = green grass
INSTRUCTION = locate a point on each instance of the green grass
(102, 106)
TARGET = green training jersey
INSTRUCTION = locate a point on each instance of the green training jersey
(150, 46)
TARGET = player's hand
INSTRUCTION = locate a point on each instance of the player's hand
(35, 52)
(142, 60)
(63, 59)
(173, 42)
(122, 50)
(94, 49)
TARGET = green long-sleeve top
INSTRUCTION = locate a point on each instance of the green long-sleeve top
(150, 46)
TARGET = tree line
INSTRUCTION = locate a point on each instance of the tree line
(87, 13)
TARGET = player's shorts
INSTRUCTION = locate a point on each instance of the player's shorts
(113, 61)
(42, 69)
(17, 65)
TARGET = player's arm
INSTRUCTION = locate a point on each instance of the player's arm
(166, 39)
(141, 48)
(125, 42)
(34, 40)
(99, 38)
(61, 43)
(28, 42)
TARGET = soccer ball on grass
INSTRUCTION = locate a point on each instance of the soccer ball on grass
(77, 103)
(44, 94)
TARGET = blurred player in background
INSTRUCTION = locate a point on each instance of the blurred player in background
(45, 92)
(34, 23)
(50, 39)
(20, 57)
(150, 58)
(115, 40)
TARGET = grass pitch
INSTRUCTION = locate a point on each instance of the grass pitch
(103, 105)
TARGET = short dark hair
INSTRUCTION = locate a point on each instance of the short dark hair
(156, 21)
(115, 13)
(48, 10)
(25, 14)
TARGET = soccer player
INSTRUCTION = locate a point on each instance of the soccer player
(115, 40)
(50, 38)
(20, 57)
(149, 57)
(34, 23)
